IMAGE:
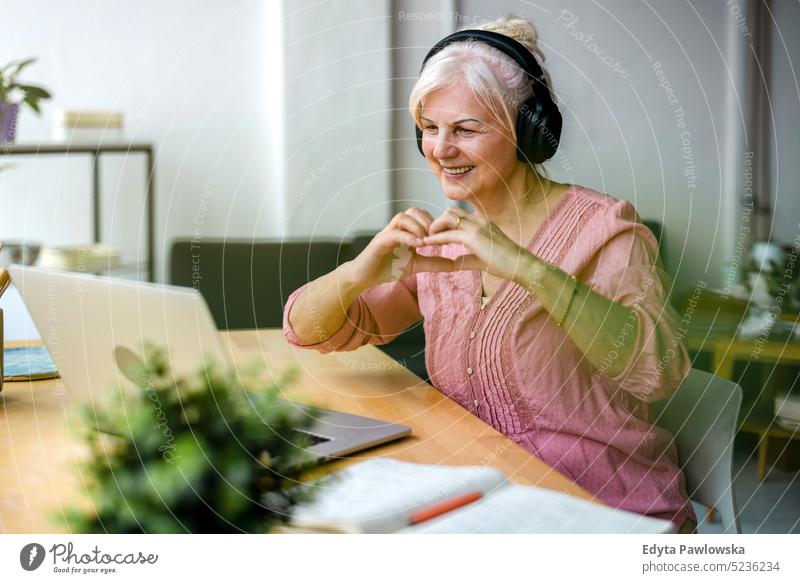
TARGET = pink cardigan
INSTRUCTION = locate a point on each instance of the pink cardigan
(509, 364)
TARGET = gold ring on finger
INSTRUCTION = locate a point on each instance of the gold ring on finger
(458, 221)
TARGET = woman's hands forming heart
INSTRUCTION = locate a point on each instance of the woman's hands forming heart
(391, 255)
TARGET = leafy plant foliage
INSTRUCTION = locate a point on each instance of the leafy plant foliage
(209, 453)
(29, 94)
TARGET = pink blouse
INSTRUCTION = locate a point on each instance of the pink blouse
(508, 363)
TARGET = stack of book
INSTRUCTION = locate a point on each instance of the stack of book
(75, 126)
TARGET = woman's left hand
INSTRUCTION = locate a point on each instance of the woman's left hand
(492, 250)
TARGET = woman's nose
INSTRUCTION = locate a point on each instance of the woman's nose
(443, 148)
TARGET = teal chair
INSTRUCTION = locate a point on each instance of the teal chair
(703, 415)
(245, 282)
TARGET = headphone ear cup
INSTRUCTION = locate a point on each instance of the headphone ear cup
(527, 118)
(538, 131)
(419, 139)
(549, 132)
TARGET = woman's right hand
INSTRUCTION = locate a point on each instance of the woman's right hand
(391, 255)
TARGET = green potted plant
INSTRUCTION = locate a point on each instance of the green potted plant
(213, 452)
(13, 94)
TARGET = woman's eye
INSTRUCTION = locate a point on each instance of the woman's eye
(465, 131)
(429, 128)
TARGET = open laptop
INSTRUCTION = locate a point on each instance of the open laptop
(87, 321)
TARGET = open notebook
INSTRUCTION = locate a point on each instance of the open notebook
(385, 495)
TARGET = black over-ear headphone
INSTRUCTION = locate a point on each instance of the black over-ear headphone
(538, 120)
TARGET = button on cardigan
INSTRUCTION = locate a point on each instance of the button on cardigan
(510, 364)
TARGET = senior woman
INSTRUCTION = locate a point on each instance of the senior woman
(545, 310)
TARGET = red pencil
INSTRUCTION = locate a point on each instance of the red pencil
(443, 507)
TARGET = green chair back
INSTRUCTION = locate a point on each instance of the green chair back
(246, 283)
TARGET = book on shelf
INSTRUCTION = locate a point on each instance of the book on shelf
(391, 496)
(73, 126)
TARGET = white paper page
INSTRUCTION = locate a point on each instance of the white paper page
(526, 510)
(378, 495)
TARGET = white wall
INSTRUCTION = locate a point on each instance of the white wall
(199, 79)
(337, 118)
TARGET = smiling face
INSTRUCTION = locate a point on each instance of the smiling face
(473, 157)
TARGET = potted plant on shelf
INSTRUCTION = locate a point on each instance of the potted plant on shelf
(13, 94)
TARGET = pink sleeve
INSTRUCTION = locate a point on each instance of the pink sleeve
(377, 316)
(626, 268)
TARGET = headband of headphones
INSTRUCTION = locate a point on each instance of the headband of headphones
(538, 120)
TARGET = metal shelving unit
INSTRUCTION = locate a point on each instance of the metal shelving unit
(96, 151)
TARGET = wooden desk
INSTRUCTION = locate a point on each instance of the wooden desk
(39, 448)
